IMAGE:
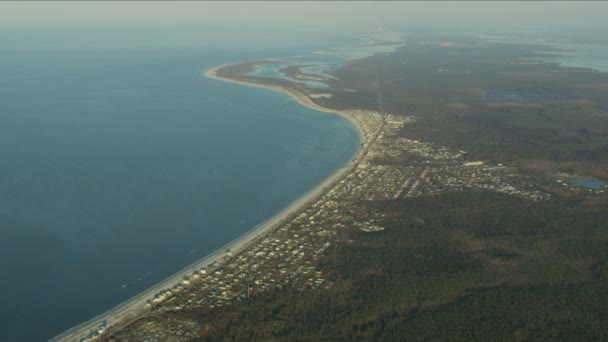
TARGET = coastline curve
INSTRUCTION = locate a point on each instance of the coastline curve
(299, 97)
(130, 309)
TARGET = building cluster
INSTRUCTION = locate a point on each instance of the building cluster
(94, 334)
(396, 167)
(393, 167)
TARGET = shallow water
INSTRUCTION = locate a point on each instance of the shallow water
(318, 62)
(589, 183)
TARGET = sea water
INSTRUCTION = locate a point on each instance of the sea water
(591, 56)
(120, 163)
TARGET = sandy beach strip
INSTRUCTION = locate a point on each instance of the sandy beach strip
(302, 99)
(130, 309)
(126, 311)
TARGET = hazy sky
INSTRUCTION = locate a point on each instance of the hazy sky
(574, 13)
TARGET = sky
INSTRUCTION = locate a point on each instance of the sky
(305, 13)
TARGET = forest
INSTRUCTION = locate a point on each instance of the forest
(460, 266)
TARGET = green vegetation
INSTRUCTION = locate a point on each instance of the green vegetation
(499, 101)
(468, 265)
(459, 266)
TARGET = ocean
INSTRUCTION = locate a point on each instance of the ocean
(592, 56)
(120, 163)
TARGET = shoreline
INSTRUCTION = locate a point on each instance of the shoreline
(299, 97)
(136, 305)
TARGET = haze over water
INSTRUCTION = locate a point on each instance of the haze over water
(121, 164)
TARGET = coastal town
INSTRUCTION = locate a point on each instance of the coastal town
(304, 171)
(388, 166)
(476, 189)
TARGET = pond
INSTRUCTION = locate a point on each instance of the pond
(589, 183)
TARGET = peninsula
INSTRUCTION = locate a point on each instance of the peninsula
(448, 213)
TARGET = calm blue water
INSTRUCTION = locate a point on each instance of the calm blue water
(121, 164)
(589, 183)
